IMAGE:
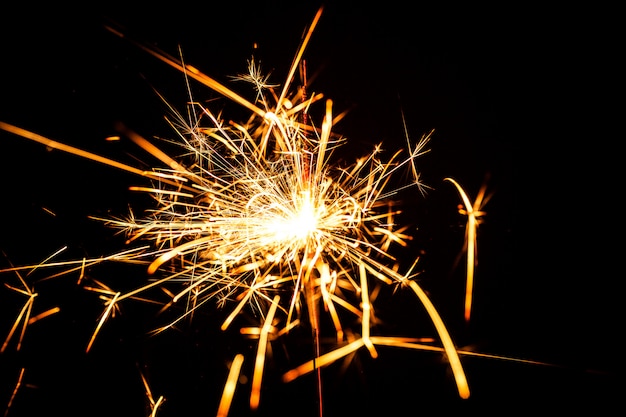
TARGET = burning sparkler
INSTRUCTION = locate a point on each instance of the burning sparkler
(254, 216)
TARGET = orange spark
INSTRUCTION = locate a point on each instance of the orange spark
(230, 386)
(474, 213)
(15, 390)
(257, 376)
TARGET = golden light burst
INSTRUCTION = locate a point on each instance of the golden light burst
(257, 216)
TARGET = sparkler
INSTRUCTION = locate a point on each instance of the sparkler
(255, 216)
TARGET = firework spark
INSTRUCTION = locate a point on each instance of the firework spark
(474, 212)
(255, 215)
(154, 405)
(24, 316)
(230, 386)
(15, 390)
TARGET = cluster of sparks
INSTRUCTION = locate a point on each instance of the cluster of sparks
(254, 216)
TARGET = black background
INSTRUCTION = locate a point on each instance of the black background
(518, 97)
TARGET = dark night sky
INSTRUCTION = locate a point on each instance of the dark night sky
(517, 96)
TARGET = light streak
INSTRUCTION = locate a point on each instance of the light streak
(230, 386)
(257, 376)
(154, 405)
(258, 216)
(474, 213)
(105, 315)
(24, 316)
(15, 390)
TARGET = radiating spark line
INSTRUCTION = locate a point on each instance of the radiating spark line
(391, 341)
(257, 376)
(24, 313)
(323, 360)
(251, 211)
(15, 390)
(327, 280)
(298, 57)
(81, 276)
(448, 345)
(43, 315)
(67, 148)
(50, 212)
(153, 150)
(160, 191)
(367, 309)
(230, 386)
(474, 212)
(105, 315)
(366, 339)
(154, 405)
(24, 316)
(195, 74)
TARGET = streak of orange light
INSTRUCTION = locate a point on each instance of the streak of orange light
(230, 386)
(15, 390)
(446, 340)
(367, 311)
(105, 315)
(25, 314)
(79, 152)
(473, 212)
(43, 315)
(154, 405)
(259, 363)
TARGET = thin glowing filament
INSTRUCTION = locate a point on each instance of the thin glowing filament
(446, 340)
(230, 386)
(105, 315)
(257, 376)
(367, 308)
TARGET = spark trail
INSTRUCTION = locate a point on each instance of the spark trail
(256, 216)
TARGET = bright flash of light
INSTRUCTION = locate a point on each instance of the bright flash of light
(255, 215)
